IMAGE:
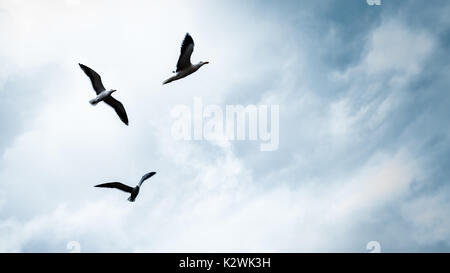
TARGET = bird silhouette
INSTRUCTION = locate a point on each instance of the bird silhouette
(103, 94)
(133, 191)
(184, 65)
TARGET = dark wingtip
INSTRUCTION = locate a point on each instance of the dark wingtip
(83, 67)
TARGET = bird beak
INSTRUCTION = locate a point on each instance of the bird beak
(206, 62)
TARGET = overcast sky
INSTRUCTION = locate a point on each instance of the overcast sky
(364, 151)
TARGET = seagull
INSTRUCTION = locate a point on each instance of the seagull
(103, 94)
(184, 65)
(134, 191)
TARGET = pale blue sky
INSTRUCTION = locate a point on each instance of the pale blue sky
(364, 139)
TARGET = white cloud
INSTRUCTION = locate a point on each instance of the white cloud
(394, 52)
(204, 197)
(222, 209)
(429, 218)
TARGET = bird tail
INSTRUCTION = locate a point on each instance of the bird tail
(94, 101)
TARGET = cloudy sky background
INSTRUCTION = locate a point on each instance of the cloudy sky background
(364, 126)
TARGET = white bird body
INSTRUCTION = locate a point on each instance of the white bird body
(184, 65)
(100, 97)
(185, 72)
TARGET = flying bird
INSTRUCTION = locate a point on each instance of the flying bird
(133, 191)
(103, 94)
(184, 65)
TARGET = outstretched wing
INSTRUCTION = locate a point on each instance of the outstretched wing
(95, 78)
(145, 177)
(187, 47)
(118, 107)
(116, 185)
